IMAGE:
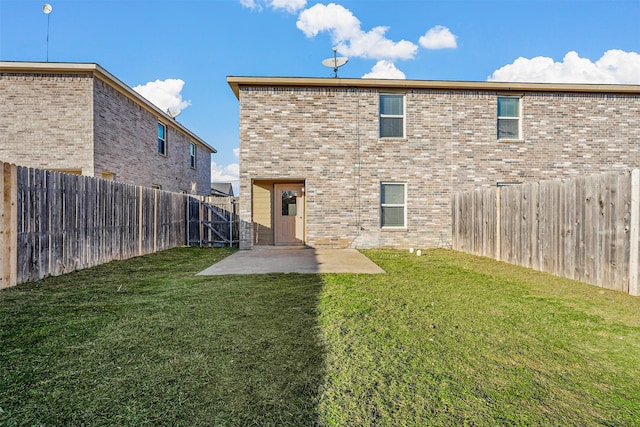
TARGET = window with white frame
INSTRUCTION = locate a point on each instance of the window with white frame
(509, 118)
(391, 116)
(192, 155)
(393, 205)
(162, 139)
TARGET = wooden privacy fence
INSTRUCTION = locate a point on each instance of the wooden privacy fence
(212, 221)
(53, 223)
(584, 228)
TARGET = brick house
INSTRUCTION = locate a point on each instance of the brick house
(373, 163)
(78, 118)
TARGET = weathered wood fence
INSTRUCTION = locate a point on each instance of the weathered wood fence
(213, 221)
(584, 228)
(53, 223)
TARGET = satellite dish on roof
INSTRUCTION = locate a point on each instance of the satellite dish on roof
(173, 114)
(335, 62)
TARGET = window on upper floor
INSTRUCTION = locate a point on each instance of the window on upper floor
(391, 116)
(162, 139)
(393, 205)
(509, 112)
(192, 155)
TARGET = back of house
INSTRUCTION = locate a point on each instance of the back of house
(373, 163)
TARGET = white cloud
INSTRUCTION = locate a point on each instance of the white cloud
(228, 173)
(384, 70)
(236, 153)
(350, 39)
(438, 37)
(615, 67)
(250, 4)
(291, 6)
(164, 94)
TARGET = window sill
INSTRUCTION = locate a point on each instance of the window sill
(510, 141)
(392, 138)
(393, 228)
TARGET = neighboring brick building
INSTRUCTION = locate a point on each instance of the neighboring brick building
(373, 163)
(78, 118)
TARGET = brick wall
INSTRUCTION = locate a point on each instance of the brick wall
(45, 121)
(329, 137)
(77, 122)
(126, 143)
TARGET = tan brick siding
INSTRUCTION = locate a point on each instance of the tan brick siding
(126, 143)
(79, 122)
(46, 122)
(330, 138)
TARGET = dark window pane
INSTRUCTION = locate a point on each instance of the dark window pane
(392, 194)
(391, 104)
(289, 207)
(508, 129)
(508, 107)
(392, 216)
(391, 127)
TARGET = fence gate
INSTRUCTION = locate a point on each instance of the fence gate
(212, 221)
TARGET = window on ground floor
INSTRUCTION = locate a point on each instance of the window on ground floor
(393, 205)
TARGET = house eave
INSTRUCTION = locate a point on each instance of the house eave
(97, 71)
(235, 82)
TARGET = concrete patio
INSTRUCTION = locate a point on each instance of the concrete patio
(293, 259)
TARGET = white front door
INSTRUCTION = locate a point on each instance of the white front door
(289, 214)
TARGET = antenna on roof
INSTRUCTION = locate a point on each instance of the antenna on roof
(335, 62)
(46, 9)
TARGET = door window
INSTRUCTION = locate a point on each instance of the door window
(289, 206)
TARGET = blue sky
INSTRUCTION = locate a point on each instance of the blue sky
(187, 48)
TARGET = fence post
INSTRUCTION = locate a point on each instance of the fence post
(140, 229)
(498, 231)
(634, 233)
(155, 220)
(8, 225)
(230, 212)
(186, 216)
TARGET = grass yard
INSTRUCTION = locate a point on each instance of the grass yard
(442, 339)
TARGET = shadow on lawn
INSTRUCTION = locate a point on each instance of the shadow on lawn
(142, 342)
(275, 354)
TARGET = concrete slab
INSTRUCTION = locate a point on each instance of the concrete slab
(293, 259)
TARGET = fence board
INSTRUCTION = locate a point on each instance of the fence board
(58, 222)
(578, 228)
(8, 225)
(634, 233)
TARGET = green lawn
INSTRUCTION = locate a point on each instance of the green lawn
(442, 339)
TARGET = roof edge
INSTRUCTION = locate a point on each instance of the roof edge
(104, 75)
(236, 81)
